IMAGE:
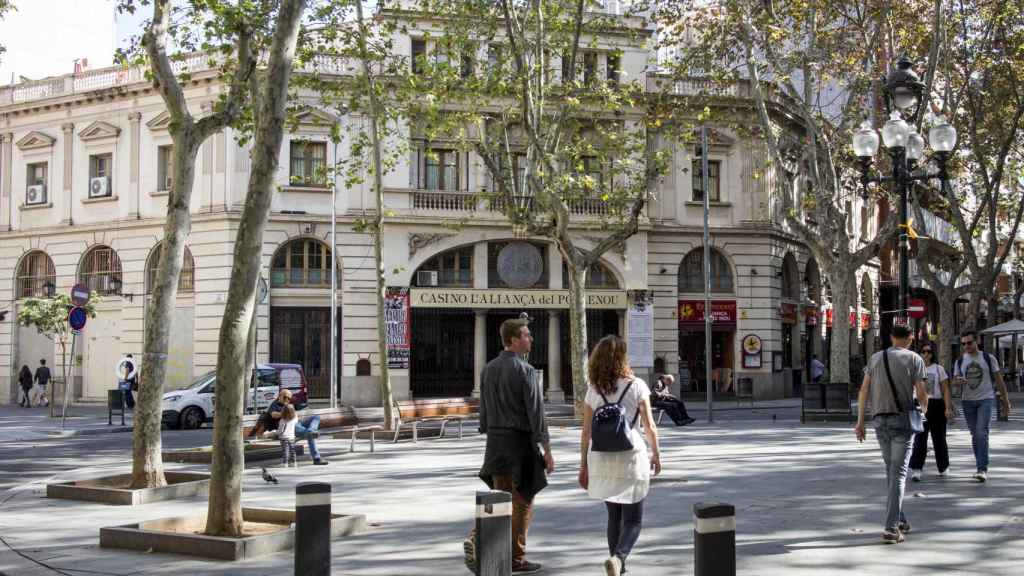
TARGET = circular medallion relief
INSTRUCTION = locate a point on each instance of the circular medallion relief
(520, 265)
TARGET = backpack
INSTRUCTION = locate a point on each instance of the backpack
(609, 428)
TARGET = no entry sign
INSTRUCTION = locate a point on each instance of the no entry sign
(916, 308)
(79, 295)
(76, 318)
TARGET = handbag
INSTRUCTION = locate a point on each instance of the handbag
(913, 414)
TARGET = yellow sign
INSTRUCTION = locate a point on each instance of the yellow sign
(513, 299)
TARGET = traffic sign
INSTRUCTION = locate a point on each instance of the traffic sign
(76, 318)
(79, 294)
(916, 308)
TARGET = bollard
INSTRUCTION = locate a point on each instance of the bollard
(714, 540)
(493, 533)
(313, 529)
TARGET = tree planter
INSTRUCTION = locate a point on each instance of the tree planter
(114, 489)
(269, 530)
(253, 453)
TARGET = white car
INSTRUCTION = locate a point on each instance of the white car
(193, 405)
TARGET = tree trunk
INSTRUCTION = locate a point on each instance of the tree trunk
(224, 514)
(147, 462)
(947, 326)
(577, 333)
(839, 356)
(386, 395)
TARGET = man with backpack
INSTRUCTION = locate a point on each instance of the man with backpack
(512, 417)
(978, 374)
(891, 380)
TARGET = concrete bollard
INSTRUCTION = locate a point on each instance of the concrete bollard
(493, 533)
(313, 529)
(714, 540)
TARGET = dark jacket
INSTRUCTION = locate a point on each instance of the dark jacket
(43, 375)
(511, 398)
(25, 378)
(513, 453)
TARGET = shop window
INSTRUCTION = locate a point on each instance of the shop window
(100, 271)
(453, 268)
(36, 276)
(186, 280)
(691, 273)
(308, 163)
(301, 263)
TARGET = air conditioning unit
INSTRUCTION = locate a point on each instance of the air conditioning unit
(99, 187)
(35, 195)
(426, 278)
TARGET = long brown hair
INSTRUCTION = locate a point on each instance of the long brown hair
(608, 362)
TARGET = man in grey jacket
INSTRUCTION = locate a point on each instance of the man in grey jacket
(905, 369)
(512, 416)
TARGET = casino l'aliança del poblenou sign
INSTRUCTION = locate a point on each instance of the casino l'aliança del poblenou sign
(513, 299)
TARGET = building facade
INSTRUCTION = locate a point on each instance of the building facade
(83, 190)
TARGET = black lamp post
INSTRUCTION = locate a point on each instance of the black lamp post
(903, 91)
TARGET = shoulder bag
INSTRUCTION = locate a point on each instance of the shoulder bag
(913, 414)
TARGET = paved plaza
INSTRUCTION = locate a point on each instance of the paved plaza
(809, 501)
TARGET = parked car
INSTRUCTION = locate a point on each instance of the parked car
(193, 405)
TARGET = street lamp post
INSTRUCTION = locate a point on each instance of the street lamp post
(903, 94)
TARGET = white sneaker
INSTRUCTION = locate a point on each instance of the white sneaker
(915, 475)
(613, 566)
(981, 476)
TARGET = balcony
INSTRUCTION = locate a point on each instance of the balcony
(454, 201)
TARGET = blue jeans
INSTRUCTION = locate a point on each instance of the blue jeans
(303, 428)
(624, 524)
(979, 416)
(895, 438)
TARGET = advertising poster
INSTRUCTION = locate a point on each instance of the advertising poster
(396, 318)
(641, 330)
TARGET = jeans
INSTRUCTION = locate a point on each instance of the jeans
(303, 428)
(894, 438)
(522, 514)
(624, 523)
(934, 424)
(978, 414)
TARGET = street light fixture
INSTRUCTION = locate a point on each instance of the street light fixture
(903, 92)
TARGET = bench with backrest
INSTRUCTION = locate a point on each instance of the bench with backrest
(439, 410)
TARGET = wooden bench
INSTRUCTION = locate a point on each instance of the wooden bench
(443, 410)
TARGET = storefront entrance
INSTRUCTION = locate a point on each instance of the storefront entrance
(441, 353)
(303, 336)
(691, 361)
(600, 323)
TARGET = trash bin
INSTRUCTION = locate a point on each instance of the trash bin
(115, 406)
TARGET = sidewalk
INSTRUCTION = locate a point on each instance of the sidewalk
(26, 424)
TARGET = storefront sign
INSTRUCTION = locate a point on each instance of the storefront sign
(641, 330)
(722, 311)
(396, 318)
(513, 299)
(865, 319)
(788, 313)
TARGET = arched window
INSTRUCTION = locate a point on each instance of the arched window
(599, 277)
(36, 276)
(187, 279)
(691, 272)
(790, 276)
(812, 281)
(302, 263)
(867, 293)
(453, 268)
(100, 270)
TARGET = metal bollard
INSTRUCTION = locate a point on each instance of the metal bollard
(313, 529)
(714, 540)
(493, 533)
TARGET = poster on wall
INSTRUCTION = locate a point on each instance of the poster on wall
(396, 318)
(641, 329)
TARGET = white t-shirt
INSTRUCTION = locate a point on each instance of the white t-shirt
(934, 376)
(637, 393)
(979, 384)
(286, 429)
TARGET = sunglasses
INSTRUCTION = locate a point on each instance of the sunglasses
(926, 351)
(967, 342)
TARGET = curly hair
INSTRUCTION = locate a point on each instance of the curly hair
(608, 362)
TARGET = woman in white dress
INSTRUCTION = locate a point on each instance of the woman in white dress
(622, 479)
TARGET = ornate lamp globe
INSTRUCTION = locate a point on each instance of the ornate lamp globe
(865, 141)
(915, 145)
(895, 131)
(942, 136)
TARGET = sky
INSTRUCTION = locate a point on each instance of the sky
(44, 37)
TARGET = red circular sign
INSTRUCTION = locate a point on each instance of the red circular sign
(79, 294)
(916, 308)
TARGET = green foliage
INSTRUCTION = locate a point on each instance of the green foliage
(50, 315)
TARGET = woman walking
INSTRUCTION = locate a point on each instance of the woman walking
(940, 408)
(615, 463)
(25, 379)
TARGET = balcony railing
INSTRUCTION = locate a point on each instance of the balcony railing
(446, 201)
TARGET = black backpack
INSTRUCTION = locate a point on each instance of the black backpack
(609, 428)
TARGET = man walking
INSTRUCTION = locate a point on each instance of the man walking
(512, 417)
(817, 369)
(976, 371)
(42, 379)
(890, 381)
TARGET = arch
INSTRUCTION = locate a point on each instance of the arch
(691, 272)
(454, 268)
(187, 279)
(790, 277)
(100, 270)
(601, 276)
(36, 276)
(867, 293)
(812, 281)
(302, 262)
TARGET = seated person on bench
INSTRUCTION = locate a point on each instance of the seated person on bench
(306, 428)
(662, 398)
